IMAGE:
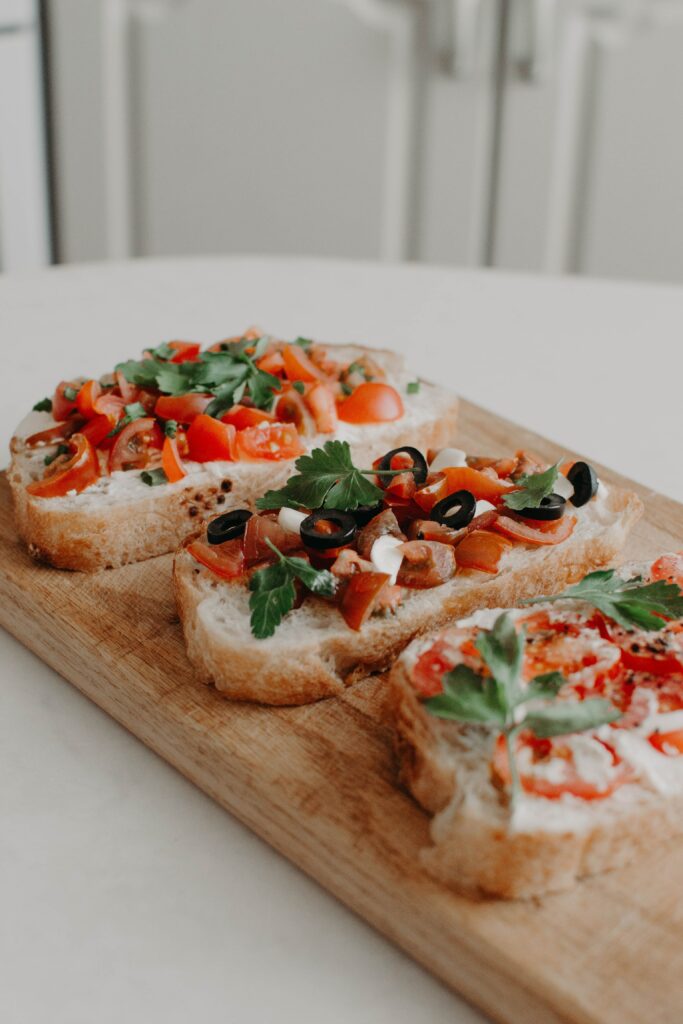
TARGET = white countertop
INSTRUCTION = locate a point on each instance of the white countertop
(126, 894)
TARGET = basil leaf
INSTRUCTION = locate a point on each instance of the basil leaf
(468, 697)
(564, 717)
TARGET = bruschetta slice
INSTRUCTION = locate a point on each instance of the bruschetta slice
(342, 567)
(547, 741)
(123, 468)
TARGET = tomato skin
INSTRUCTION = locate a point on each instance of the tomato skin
(525, 534)
(171, 463)
(461, 478)
(211, 440)
(321, 403)
(54, 434)
(97, 428)
(85, 400)
(133, 445)
(372, 402)
(242, 416)
(291, 408)
(62, 407)
(185, 351)
(272, 441)
(481, 549)
(671, 740)
(128, 391)
(574, 784)
(297, 364)
(668, 567)
(226, 560)
(183, 408)
(360, 597)
(81, 470)
(272, 362)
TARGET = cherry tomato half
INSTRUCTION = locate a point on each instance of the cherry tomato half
(371, 402)
(171, 463)
(134, 445)
(79, 471)
(274, 441)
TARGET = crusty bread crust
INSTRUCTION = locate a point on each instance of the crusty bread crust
(93, 531)
(476, 852)
(314, 654)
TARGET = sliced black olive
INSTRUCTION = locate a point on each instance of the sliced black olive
(584, 480)
(418, 468)
(364, 513)
(550, 508)
(227, 526)
(344, 534)
(455, 511)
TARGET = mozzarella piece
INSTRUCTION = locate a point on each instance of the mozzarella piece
(291, 519)
(483, 506)
(448, 458)
(385, 555)
(563, 487)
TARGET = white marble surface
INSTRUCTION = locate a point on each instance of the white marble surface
(125, 893)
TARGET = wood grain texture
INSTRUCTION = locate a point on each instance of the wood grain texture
(318, 783)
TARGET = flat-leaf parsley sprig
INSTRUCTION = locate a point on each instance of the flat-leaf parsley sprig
(532, 489)
(628, 602)
(327, 478)
(273, 592)
(494, 699)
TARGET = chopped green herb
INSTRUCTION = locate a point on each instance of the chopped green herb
(413, 387)
(44, 405)
(70, 393)
(298, 385)
(273, 592)
(62, 449)
(493, 699)
(346, 388)
(163, 351)
(534, 488)
(171, 428)
(303, 342)
(628, 602)
(134, 411)
(153, 477)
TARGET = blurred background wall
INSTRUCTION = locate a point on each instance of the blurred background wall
(528, 134)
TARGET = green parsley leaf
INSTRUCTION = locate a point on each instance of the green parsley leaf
(534, 488)
(628, 602)
(142, 372)
(567, 716)
(326, 478)
(502, 649)
(70, 393)
(298, 385)
(303, 342)
(273, 592)
(134, 411)
(153, 477)
(171, 428)
(468, 697)
(62, 449)
(44, 405)
(163, 351)
(413, 387)
(346, 388)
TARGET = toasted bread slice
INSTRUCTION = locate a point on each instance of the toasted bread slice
(481, 844)
(315, 654)
(120, 519)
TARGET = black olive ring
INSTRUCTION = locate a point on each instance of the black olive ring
(418, 468)
(227, 526)
(343, 535)
(364, 513)
(455, 511)
(550, 508)
(584, 480)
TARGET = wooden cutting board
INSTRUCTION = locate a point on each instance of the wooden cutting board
(318, 783)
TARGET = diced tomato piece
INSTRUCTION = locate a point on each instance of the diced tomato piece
(63, 407)
(291, 408)
(430, 668)
(275, 441)
(573, 783)
(54, 434)
(262, 528)
(171, 463)
(134, 446)
(551, 533)
(669, 568)
(183, 408)
(361, 596)
(401, 486)
(79, 471)
(320, 400)
(272, 362)
(670, 743)
(85, 401)
(128, 391)
(184, 351)
(483, 485)
(226, 560)
(242, 416)
(97, 429)
(209, 439)
(371, 402)
(297, 364)
(481, 549)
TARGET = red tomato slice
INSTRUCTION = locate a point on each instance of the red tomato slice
(128, 391)
(321, 403)
(372, 402)
(669, 568)
(226, 560)
(97, 428)
(481, 549)
(573, 783)
(242, 416)
(80, 471)
(62, 407)
(274, 441)
(85, 401)
(262, 528)
(209, 439)
(297, 364)
(291, 408)
(171, 463)
(183, 408)
(670, 743)
(520, 531)
(461, 478)
(185, 351)
(272, 362)
(134, 444)
(658, 654)
(361, 595)
(54, 434)
(430, 668)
